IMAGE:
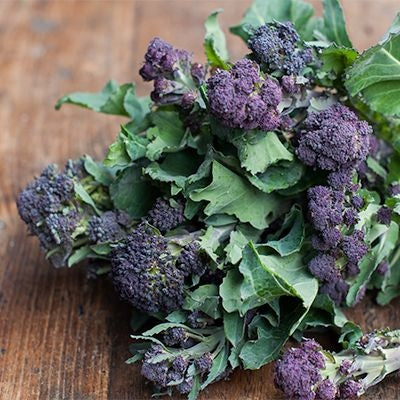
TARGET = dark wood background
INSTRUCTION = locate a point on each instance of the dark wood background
(62, 336)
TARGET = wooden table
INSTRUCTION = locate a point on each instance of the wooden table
(61, 335)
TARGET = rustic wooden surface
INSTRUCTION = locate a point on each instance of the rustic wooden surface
(62, 336)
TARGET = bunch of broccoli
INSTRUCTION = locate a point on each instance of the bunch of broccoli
(243, 204)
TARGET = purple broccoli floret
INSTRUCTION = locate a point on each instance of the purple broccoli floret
(354, 247)
(165, 217)
(109, 227)
(241, 98)
(173, 73)
(333, 139)
(144, 273)
(175, 336)
(155, 371)
(394, 189)
(311, 373)
(278, 48)
(325, 206)
(204, 363)
(357, 202)
(384, 215)
(190, 260)
(49, 207)
(289, 85)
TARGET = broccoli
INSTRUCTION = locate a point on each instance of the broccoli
(146, 273)
(175, 76)
(165, 217)
(53, 211)
(333, 139)
(241, 98)
(109, 227)
(310, 372)
(176, 368)
(278, 48)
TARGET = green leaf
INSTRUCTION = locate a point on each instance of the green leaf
(206, 299)
(234, 328)
(334, 24)
(256, 353)
(258, 150)
(131, 193)
(377, 168)
(375, 75)
(100, 172)
(81, 192)
(262, 11)
(387, 243)
(175, 168)
(230, 194)
(79, 255)
(136, 107)
(167, 135)
(215, 42)
(219, 366)
(110, 100)
(230, 291)
(238, 241)
(277, 177)
(212, 239)
(293, 226)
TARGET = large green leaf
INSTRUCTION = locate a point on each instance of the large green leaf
(375, 75)
(258, 150)
(334, 25)
(215, 42)
(131, 193)
(112, 99)
(262, 11)
(231, 194)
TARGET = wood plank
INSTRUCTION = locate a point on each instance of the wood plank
(63, 336)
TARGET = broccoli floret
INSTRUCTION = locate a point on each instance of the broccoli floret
(190, 261)
(325, 207)
(175, 336)
(164, 217)
(353, 247)
(333, 139)
(204, 363)
(384, 215)
(173, 73)
(310, 372)
(144, 273)
(278, 48)
(109, 227)
(241, 98)
(49, 207)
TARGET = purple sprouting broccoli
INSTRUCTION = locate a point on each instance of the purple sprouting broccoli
(394, 189)
(309, 372)
(278, 48)
(175, 77)
(144, 273)
(384, 215)
(289, 85)
(176, 368)
(191, 261)
(175, 336)
(52, 210)
(325, 207)
(199, 319)
(165, 217)
(354, 247)
(111, 226)
(241, 98)
(333, 139)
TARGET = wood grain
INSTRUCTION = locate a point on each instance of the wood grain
(63, 336)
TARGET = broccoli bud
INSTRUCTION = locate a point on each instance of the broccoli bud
(333, 139)
(144, 272)
(241, 98)
(278, 48)
(164, 217)
(309, 372)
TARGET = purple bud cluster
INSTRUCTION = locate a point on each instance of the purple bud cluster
(190, 260)
(333, 139)
(328, 211)
(109, 227)
(174, 74)
(300, 374)
(164, 217)
(278, 48)
(144, 273)
(336, 141)
(47, 205)
(173, 370)
(241, 98)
